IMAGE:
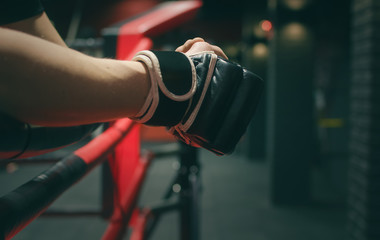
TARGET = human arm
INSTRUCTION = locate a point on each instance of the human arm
(211, 99)
(46, 84)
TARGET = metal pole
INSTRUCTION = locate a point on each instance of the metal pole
(189, 194)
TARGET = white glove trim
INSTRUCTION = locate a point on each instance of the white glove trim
(152, 99)
(184, 127)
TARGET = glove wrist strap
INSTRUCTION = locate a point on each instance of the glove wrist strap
(173, 83)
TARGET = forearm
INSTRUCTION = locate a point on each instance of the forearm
(46, 84)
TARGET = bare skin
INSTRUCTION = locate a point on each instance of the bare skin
(45, 83)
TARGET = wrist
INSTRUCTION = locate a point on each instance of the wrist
(143, 86)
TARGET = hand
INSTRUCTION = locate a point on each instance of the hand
(197, 45)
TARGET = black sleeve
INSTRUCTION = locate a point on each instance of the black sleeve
(16, 10)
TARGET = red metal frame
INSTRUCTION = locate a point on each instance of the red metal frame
(128, 175)
(140, 224)
(135, 35)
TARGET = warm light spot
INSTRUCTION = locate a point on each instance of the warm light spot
(260, 50)
(262, 28)
(294, 31)
(266, 25)
(11, 167)
(296, 4)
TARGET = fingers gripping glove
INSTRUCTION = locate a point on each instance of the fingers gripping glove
(204, 100)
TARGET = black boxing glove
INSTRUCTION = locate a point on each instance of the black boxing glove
(204, 100)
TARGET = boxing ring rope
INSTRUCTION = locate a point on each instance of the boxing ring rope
(119, 144)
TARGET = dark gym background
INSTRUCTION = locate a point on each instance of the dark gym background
(308, 166)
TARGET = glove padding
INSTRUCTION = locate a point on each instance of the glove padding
(204, 100)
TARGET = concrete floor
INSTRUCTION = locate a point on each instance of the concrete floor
(235, 205)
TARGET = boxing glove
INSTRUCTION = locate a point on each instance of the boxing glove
(204, 100)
